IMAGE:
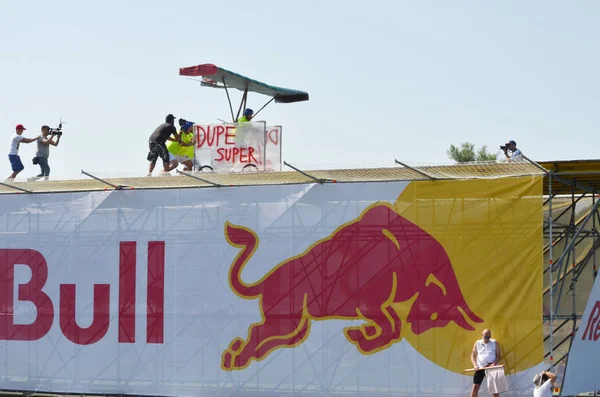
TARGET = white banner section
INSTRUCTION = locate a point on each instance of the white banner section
(238, 147)
(137, 292)
(582, 373)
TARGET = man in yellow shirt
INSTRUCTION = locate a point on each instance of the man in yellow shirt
(183, 150)
(247, 117)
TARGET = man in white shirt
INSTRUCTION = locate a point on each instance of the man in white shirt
(13, 155)
(515, 154)
(544, 383)
(486, 352)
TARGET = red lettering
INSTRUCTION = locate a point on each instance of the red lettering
(156, 292)
(243, 155)
(593, 324)
(235, 154)
(30, 292)
(273, 136)
(221, 154)
(251, 155)
(127, 263)
(210, 141)
(229, 134)
(201, 135)
(213, 138)
(220, 130)
(100, 317)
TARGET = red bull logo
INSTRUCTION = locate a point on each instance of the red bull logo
(362, 271)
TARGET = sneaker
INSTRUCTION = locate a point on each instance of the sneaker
(163, 173)
(33, 178)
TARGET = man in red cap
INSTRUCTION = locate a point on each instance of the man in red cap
(13, 155)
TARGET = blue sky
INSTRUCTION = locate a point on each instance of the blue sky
(387, 79)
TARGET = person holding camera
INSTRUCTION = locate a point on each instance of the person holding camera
(544, 383)
(13, 155)
(43, 152)
(515, 154)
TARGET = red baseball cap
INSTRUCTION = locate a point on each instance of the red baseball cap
(20, 127)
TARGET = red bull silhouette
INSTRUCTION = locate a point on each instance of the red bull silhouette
(360, 271)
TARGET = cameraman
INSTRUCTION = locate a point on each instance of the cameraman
(43, 152)
(544, 383)
(512, 147)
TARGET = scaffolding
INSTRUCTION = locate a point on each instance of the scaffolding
(571, 219)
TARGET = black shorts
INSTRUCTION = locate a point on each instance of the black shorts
(157, 150)
(478, 377)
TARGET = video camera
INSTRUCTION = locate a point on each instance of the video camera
(506, 147)
(56, 131)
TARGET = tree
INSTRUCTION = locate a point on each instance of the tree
(466, 153)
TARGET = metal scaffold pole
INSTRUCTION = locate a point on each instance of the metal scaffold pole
(551, 308)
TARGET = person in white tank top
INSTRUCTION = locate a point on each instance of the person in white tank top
(486, 352)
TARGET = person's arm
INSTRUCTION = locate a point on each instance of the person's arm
(498, 353)
(190, 143)
(551, 377)
(174, 137)
(474, 356)
(29, 140)
(46, 141)
(51, 141)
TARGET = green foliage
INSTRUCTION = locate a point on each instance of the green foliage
(466, 153)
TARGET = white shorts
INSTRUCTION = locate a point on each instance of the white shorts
(179, 159)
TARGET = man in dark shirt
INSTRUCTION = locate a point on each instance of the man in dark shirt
(158, 147)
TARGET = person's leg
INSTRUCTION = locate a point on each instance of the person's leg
(44, 166)
(152, 157)
(168, 162)
(187, 165)
(16, 165)
(171, 166)
(47, 170)
(477, 380)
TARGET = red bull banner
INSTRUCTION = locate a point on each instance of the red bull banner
(237, 147)
(581, 375)
(358, 288)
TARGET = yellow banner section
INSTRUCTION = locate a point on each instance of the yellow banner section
(492, 231)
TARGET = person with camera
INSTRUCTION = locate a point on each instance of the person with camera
(544, 383)
(515, 154)
(13, 155)
(43, 152)
(158, 147)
